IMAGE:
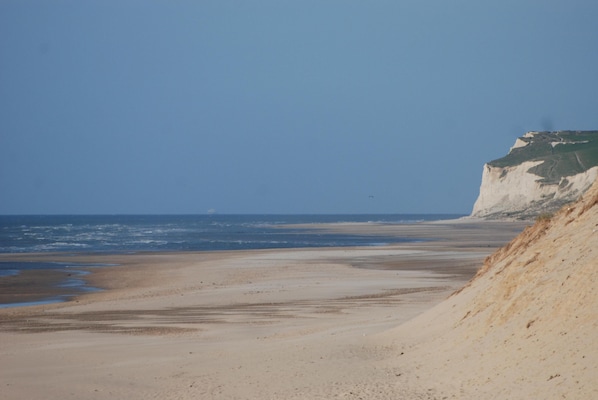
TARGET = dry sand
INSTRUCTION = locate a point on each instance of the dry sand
(525, 328)
(280, 324)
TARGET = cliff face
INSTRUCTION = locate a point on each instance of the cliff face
(542, 172)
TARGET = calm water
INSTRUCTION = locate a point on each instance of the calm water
(135, 233)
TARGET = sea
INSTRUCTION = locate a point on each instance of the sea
(124, 234)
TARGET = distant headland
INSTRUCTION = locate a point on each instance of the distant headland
(542, 172)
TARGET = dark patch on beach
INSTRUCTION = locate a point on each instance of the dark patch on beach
(180, 320)
(35, 286)
(462, 267)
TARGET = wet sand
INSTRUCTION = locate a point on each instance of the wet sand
(31, 286)
(298, 323)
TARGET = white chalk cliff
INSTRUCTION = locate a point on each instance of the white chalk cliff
(542, 172)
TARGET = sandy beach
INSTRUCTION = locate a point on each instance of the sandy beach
(267, 324)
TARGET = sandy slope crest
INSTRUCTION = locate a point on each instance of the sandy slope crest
(525, 327)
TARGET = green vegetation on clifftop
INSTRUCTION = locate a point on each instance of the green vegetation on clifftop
(563, 153)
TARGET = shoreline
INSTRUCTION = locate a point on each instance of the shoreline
(41, 286)
(290, 323)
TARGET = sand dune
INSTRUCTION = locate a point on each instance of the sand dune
(526, 326)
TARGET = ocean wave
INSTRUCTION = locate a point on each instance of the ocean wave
(57, 246)
(149, 241)
(189, 233)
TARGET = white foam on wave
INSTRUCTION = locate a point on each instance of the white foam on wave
(55, 246)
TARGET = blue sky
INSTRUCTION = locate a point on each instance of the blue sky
(280, 106)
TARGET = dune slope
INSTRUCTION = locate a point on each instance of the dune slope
(525, 327)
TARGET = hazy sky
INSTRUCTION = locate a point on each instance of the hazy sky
(280, 106)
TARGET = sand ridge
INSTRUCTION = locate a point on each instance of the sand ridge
(525, 326)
